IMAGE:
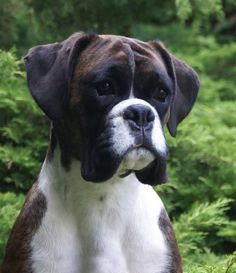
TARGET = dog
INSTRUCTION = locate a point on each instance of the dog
(93, 208)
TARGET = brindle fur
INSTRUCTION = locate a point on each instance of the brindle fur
(18, 251)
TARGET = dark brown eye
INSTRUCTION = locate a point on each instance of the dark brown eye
(105, 88)
(160, 94)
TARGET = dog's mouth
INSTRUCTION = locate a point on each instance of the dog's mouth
(138, 155)
(136, 159)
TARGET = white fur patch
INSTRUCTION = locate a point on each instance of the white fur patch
(109, 227)
(122, 135)
(136, 159)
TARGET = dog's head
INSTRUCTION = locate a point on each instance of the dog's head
(109, 98)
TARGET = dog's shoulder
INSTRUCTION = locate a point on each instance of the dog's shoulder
(165, 226)
(17, 250)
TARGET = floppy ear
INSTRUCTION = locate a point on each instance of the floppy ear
(186, 90)
(186, 85)
(49, 70)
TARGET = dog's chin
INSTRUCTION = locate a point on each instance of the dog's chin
(136, 159)
(148, 166)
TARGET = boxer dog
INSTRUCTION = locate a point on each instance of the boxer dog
(93, 208)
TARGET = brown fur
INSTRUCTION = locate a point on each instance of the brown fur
(166, 228)
(17, 257)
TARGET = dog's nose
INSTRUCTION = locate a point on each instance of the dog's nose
(141, 115)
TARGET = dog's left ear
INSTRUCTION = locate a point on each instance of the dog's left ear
(186, 85)
(49, 70)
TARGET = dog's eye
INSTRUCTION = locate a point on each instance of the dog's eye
(160, 94)
(105, 88)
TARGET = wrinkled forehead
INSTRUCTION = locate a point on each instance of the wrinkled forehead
(118, 52)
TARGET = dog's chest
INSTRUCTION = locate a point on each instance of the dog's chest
(104, 231)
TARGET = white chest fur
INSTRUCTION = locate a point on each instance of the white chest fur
(110, 227)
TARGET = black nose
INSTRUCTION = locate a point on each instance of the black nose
(140, 114)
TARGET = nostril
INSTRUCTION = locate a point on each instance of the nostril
(129, 115)
(150, 116)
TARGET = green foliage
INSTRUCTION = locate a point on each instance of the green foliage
(10, 205)
(22, 146)
(198, 229)
(198, 9)
(219, 63)
(210, 263)
(9, 67)
(210, 164)
(33, 22)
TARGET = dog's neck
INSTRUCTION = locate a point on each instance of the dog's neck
(68, 187)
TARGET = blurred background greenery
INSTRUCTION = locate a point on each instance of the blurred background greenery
(201, 192)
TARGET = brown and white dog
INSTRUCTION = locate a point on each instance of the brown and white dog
(93, 209)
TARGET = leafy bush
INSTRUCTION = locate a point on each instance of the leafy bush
(10, 205)
(210, 263)
(49, 23)
(198, 229)
(22, 145)
(220, 62)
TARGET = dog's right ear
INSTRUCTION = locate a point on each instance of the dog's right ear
(186, 87)
(49, 70)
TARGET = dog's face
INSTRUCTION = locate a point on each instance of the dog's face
(109, 98)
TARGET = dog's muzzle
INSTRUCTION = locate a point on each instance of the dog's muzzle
(135, 123)
(133, 141)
